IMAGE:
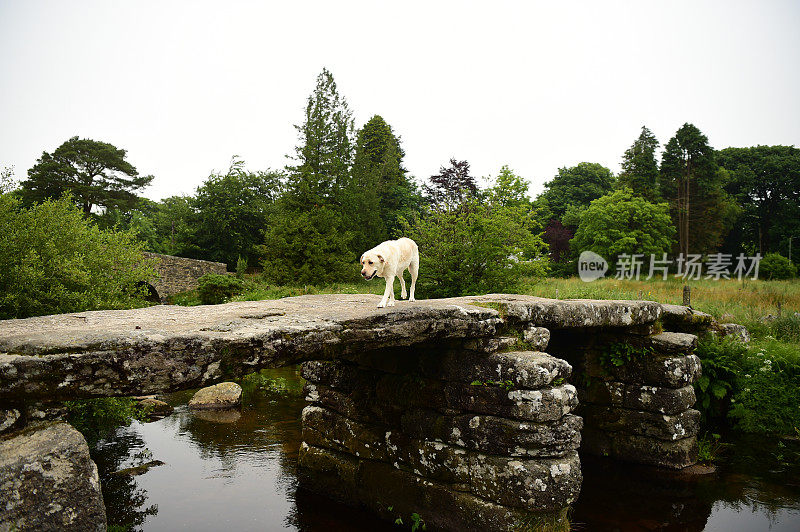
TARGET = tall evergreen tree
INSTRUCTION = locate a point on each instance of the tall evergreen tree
(308, 241)
(639, 166)
(693, 184)
(380, 191)
(325, 150)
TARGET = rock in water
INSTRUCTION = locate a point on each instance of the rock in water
(48, 481)
(222, 395)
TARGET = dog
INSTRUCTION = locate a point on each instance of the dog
(389, 260)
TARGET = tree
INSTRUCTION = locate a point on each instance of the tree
(94, 173)
(231, 211)
(693, 184)
(308, 241)
(765, 180)
(452, 186)
(578, 186)
(509, 189)
(483, 244)
(380, 191)
(624, 223)
(325, 150)
(55, 260)
(7, 181)
(476, 248)
(639, 166)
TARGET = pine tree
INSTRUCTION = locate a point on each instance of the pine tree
(380, 191)
(325, 150)
(693, 184)
(94, 173)
(639, 166)
(308, 241)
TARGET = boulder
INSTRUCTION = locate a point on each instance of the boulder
(48, 481)
(155, 407)
(222, 395)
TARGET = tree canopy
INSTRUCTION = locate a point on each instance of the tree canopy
(765, 180)
(624, 223)
(577, 186)
(692, 183)
(96, 174)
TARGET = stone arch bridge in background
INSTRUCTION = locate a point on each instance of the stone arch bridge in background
(179, 274)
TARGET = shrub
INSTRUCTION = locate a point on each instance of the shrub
(755, 389)
(475, 249)
(215, 289)
(53, 260)
(95, 418)
(775, 266)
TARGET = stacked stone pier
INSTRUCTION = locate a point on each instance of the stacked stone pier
(468, 412)
(466, 435)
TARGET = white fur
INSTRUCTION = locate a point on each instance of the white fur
(389, 260)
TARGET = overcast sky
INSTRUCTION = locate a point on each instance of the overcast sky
(183, 86)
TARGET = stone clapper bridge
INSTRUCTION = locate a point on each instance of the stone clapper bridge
(450, 408)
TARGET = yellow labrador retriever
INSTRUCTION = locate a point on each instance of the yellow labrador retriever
(389, 259)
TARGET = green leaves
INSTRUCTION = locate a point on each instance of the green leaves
(95, 173)
(54, 260)
(623, 223)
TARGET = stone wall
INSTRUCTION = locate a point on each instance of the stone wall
(179, 274)
(469, 435)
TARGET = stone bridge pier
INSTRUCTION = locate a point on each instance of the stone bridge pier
(467, 411)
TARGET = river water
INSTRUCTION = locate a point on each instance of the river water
(235, 471)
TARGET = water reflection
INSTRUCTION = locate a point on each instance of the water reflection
(237, 471)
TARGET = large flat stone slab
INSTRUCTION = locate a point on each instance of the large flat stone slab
(165, 348)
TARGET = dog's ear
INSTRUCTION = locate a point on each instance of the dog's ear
(380, 258)
(361, 259)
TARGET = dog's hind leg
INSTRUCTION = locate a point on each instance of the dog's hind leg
(413, 268)
(402, 286)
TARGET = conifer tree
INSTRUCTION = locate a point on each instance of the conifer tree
(639, 167)
(380, 191)
(308, 241)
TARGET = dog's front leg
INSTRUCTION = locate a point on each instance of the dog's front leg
(388, 294)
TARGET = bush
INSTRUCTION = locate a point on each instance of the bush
(475, 249)
(215, 289)
(755, 389)
(95, 418)
(53, 260)
(775, 266)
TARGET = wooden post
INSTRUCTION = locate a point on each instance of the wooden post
(687, 296)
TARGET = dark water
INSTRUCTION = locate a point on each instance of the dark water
(236, 471)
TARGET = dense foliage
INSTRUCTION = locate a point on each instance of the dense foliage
(53, 260)
(483, 244)
(94, 173)
(623, 223)
(774, 266)
(754, 389)
(214, 289)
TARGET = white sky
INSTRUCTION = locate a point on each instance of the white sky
(536, 85)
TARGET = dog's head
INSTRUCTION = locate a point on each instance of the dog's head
(371, 265)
